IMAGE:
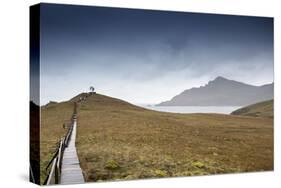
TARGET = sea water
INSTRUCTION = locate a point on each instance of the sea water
(192, 109)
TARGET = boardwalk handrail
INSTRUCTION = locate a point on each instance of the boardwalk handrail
(56, 162)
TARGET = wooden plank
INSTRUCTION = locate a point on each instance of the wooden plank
(71, 172)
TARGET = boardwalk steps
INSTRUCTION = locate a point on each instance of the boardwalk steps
(65, 166)
(71, 172)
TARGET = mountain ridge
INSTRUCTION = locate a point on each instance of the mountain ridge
(222, 92)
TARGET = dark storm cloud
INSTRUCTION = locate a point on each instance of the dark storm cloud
(141, 45)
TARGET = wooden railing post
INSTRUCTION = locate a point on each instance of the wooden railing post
(75, 108)
(60, 155)
(50, 177)
(56, 175)
(55, 172)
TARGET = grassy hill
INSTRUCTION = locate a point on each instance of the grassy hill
(53, 116)
(117, 140)
(262, 109)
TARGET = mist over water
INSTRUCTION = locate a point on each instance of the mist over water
(193, 109)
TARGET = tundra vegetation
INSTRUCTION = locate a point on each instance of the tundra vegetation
(117, 140)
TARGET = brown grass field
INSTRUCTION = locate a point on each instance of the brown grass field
(52, 119)
(117, 140)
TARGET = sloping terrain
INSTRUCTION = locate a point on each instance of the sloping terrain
(34, 144)
(53, 116)
(222, 92)
(117, 140)
(261, 109)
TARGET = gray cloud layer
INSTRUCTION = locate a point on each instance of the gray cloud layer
(145, 56)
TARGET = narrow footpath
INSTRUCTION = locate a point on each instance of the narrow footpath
(71, 172)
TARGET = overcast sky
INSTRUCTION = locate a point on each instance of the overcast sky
(144, 56)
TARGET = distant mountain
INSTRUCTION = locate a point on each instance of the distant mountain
(222, 92)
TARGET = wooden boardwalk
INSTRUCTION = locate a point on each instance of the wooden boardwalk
(71, 172)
